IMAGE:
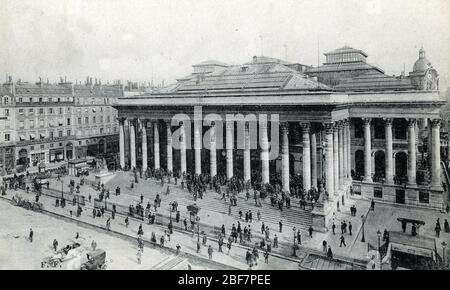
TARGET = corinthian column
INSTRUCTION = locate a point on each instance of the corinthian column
(306, 156)
(389, 152)
(264, 151)
(345, 150)
(436, 155)
(212, 151)
(182, 148)
(156, 143)
(247, 163)
(367, 151)
(314, 160)
(144, 144)
(285, 156)
(229, 147)
(132, 143)
(349, 152)
(169, 147)
(336, 158)
(341, 155)
(329, 163)
(121, 142)
(198, 147)
(411, 152)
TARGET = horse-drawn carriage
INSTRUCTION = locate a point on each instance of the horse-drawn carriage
(58, 258)
(25, 203)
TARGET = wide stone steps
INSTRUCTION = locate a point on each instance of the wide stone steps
(294, 216)
(169, 263)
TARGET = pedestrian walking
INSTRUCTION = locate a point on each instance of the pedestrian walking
(93, 245)
(275, 241)
(178, 249)
(281, 226)
(126, 222)
(258, 214)
(350, 228)
(266, 257)
(139, 255)
(210, 252)
(333, 228)
(310, 230)
(342, 241)
(372, 205)
(330, 253)
(55, 244)
(299, 237)
(30, 236)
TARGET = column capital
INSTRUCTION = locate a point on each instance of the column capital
(306, 127)
(143, 121)
(388, 121)
(168, 122)
(121, 119)
(284, 127)
(436, 123)
(339, 124)
(367, 121)
(411, 122)
(230, 124)
(328, 126)
(345, 122)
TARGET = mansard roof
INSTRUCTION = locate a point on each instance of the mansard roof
(374, 81)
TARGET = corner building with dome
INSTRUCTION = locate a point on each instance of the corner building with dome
(345, 128)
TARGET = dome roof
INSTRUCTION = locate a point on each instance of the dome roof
(422, 64)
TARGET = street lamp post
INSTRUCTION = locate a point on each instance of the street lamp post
(444, 244)
(62, 189)
(379, 246)
(294, 254)
(197, 219)
(363, 238)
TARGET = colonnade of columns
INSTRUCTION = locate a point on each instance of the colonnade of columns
(337, 151)
(337, 137)
(433, 145)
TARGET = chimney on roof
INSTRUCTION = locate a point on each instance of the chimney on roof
(255, 59)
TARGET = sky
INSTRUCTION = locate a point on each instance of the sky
(145, 40)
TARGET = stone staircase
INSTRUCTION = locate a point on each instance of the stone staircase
(169, 263)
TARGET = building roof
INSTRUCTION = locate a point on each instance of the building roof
(345, 49)
(261, 76)
(99, 91)
(422, 64)
(211, 62)
(24, 88)
(374, 81)
(345, 66)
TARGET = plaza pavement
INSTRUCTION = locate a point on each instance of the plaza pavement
(188, 243)
(384, 216)
(150, 187)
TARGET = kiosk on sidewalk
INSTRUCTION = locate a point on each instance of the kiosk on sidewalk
(412, 252)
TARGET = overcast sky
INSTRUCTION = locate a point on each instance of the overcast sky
(143, 40)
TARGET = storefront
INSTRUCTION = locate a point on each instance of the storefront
(56, 155)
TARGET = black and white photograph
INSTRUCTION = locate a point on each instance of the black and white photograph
(224, 135)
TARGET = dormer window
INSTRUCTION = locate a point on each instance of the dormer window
(244, 68)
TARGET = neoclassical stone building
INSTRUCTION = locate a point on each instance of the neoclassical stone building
(384, 143)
